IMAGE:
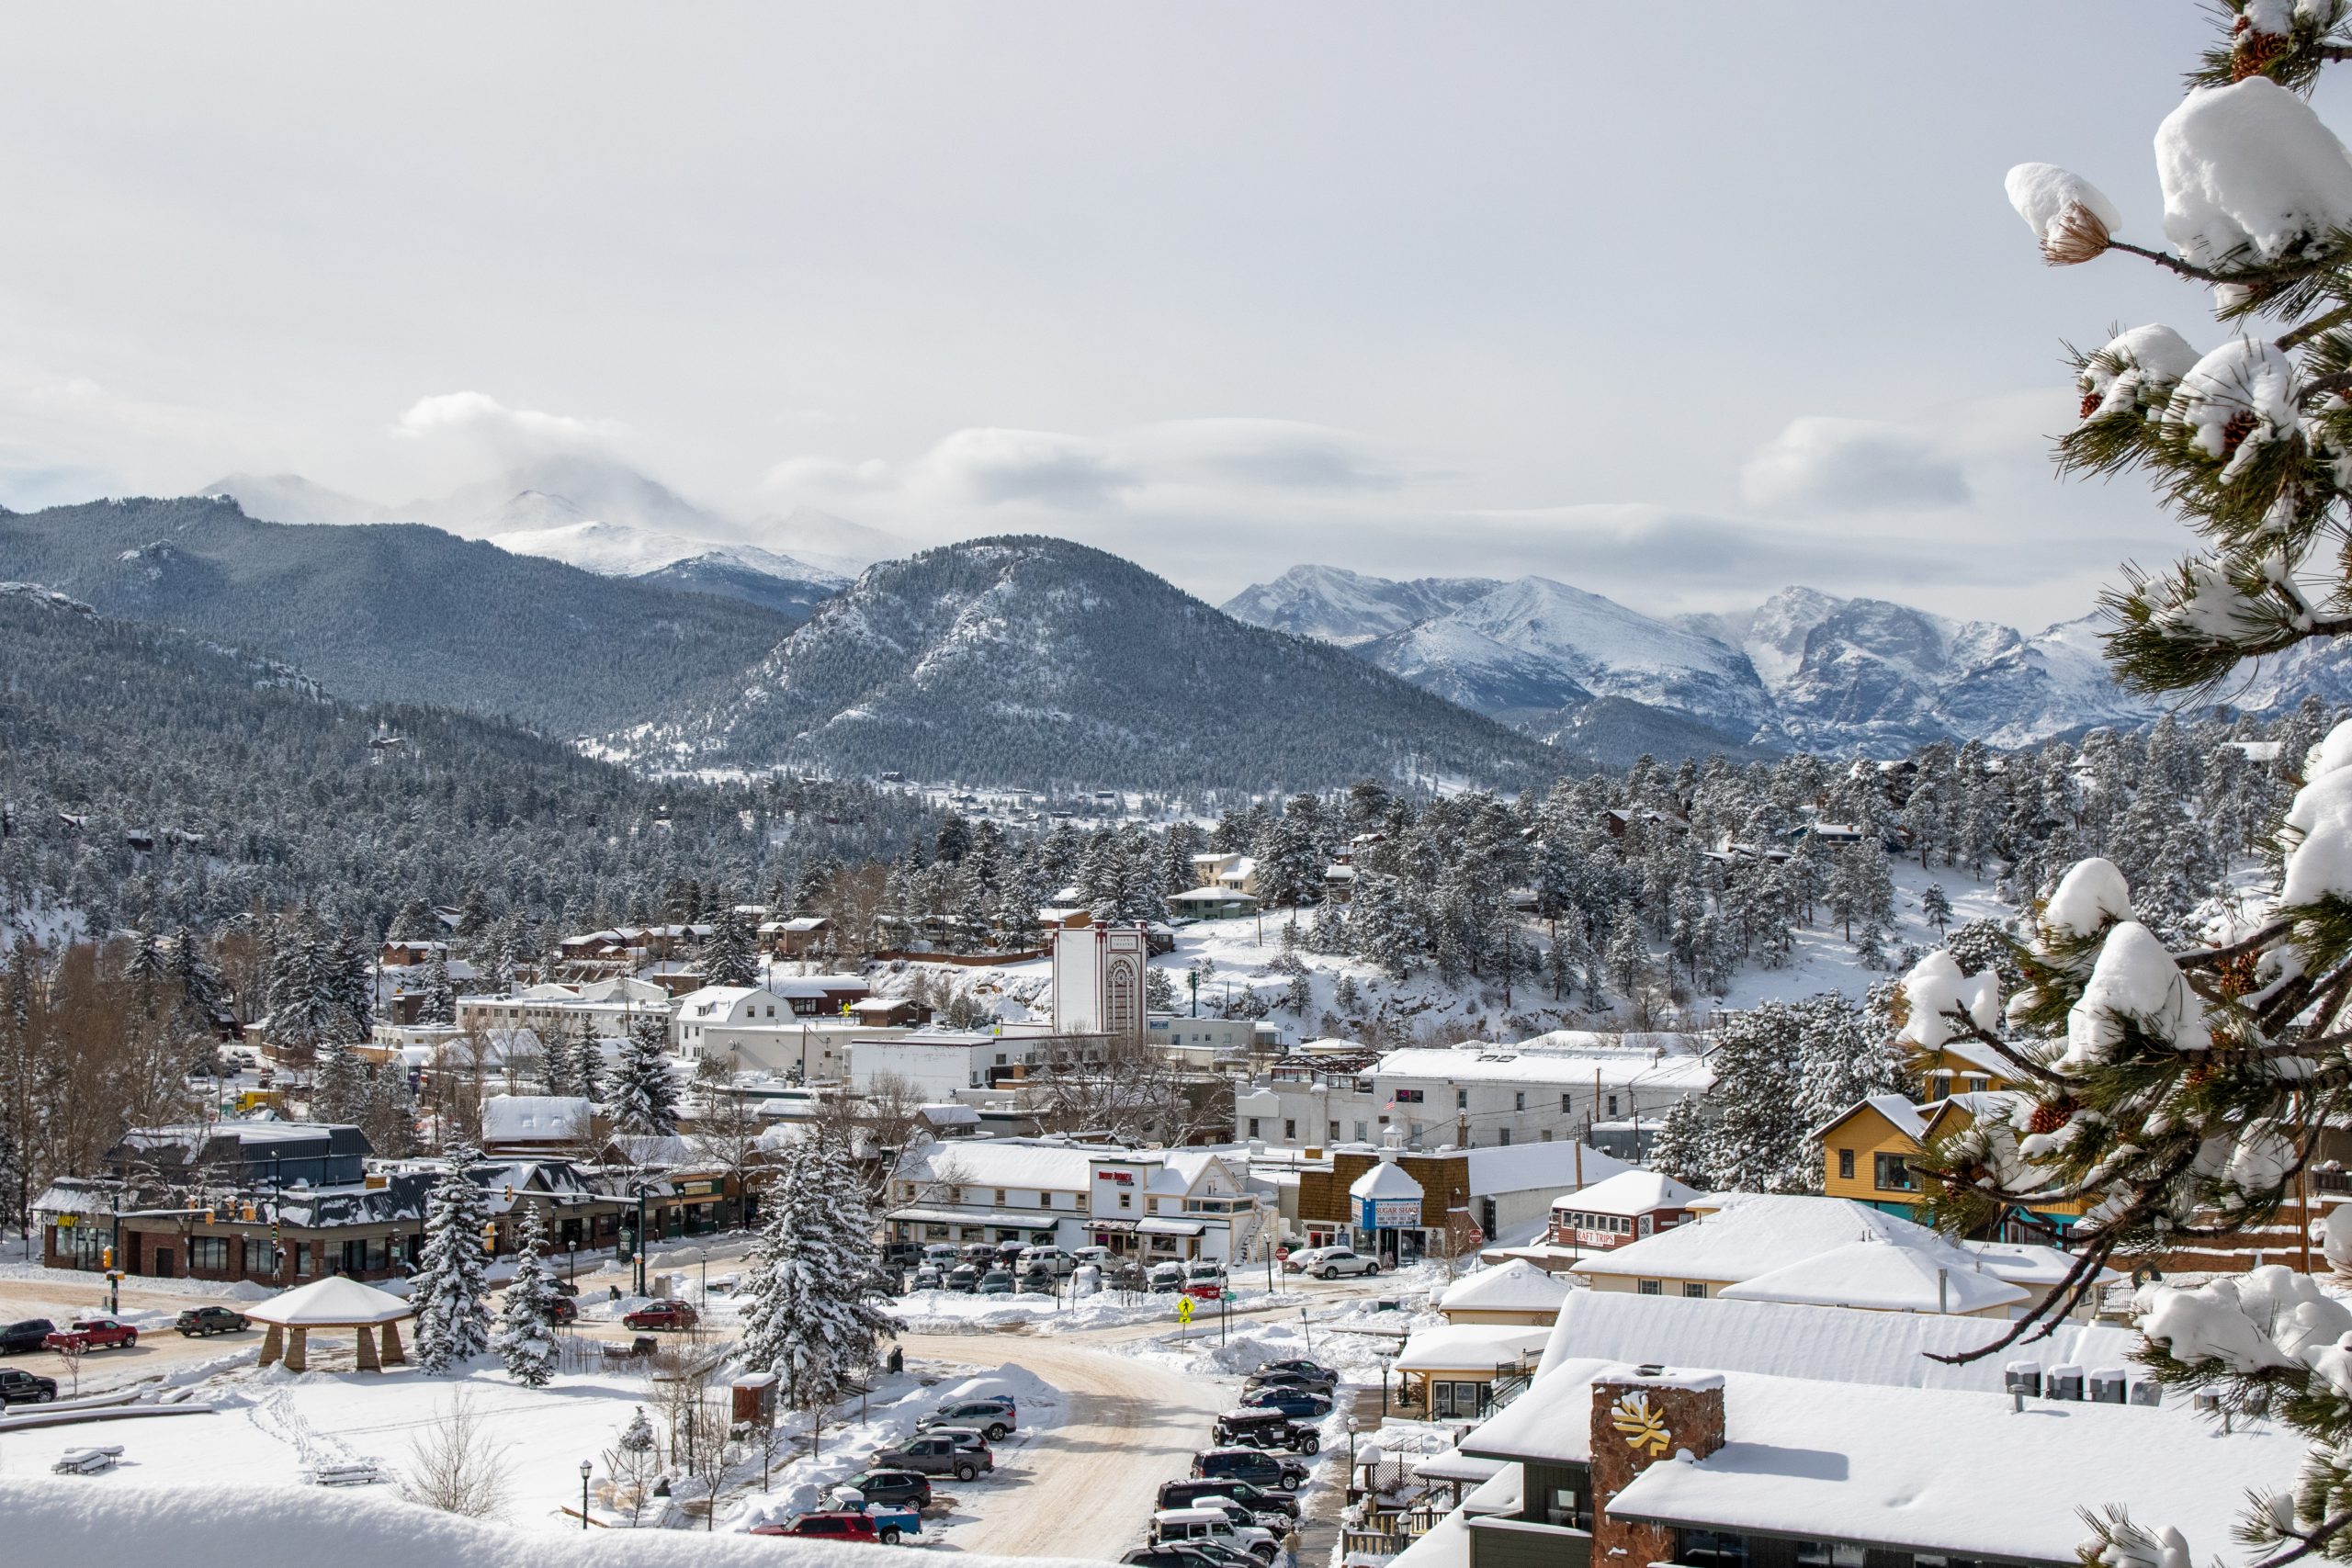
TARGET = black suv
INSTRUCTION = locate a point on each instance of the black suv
(18, 1337)
(1262, 1429)
(1252, 1465)
(1257, 1499)
(198, 1321)
(23, 1388)
(893, 1488)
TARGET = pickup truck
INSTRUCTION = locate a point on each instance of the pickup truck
(836, 1525)
(92, 1334)
(23, 1388)
(892, 1520)
(936, 1454)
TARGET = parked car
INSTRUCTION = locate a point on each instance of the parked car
(1165, 1277)
(1298, 1404)
(566, 1288)
(23, 1388)
(968, 1437)
(1188, 1526)
(662, 1314)
(563, 1310)
(934, 1453)
(1338, 1261)
(1314, 1372)
(1257, 1426)
(1303, 1259)
(928, 1279)
(1008, 1253)
(831, 1526)
(1171, 1556)
(979, 1254)
(1281, 1380)
(903, 1254)
(1094, 1257)
(1037, 1278)
(197, 1322)
(901, 1488)
(1204, 1271)
(994, 1419)
(1257, 1499)
(29, 1335)
(939, 1255)
(1247, 1517)
(1252, 1465)
(963, 1278)
(996, 1282)
(93, 1334)
(892, 1520)
(1215, 1554)
(1051, 1257)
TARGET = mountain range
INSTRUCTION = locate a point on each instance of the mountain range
(1802, 670)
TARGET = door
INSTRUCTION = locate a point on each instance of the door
(164, 1263)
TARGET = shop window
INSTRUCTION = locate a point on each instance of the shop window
(260, 1256)
(207, 1254)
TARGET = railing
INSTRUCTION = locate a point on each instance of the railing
(1386, 1534)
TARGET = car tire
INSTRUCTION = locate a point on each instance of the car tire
(999, 1432)
(132, 1342)
(1330, 1272)
(890, 1536)
(1370, 1269)
(1289, 1483)
(966, 1473)
(1310, 1444)
(49, 1397)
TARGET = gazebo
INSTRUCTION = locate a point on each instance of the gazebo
(332, 1303)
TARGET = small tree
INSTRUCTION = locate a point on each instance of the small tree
(645, 1092)
(526, 1336)
(1935, 906)
(456, 1465)
(451, 1294)
(630, 1466)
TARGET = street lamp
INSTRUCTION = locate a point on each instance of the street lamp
(1352, 1449)
(584, 1490)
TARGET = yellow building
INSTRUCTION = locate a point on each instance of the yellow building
(1868, 1153)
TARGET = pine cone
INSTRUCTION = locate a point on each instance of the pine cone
(2076, 236)
(2233, 433)
(2051, 1115)
(2254, 53)
(2090, 404)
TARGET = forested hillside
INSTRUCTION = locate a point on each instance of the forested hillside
(398, 611)
(253, 791)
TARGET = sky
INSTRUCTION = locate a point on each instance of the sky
(1676, 304)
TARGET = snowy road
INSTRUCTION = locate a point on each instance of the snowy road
(1086, 1487)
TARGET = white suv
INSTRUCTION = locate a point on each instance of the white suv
(1335, 1261)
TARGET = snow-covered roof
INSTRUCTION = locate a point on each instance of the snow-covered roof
(2024, 1263)
(1871, 1478)
(1212, 895)
(949, 1114)
(1906, 1117)
(334, 1301)
(1469, 1347)
(1831, 1343)
(1531, 1167)
(1883, 1276)
(1754, 1232)
(517, 1118)
(1386, 1178)
(1535, 1061)
(714, 1001)
(1000, 1162)
(1515, 1286)
(1628, 1193)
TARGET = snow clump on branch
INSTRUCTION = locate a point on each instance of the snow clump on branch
(2319, 826)
(1935, 988)
(2235, 400)
(2250, 177)
(2072, 217)
(2135, 978)
(2136, 370)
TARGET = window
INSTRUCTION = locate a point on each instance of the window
(260, 1256)
(1290, 1131)
(1612, 1107)
(1253, 1126)
(1334, 1134)
(1695, 1290)
(208, 1252)
(1151, 1205)
(1519, 1100)
(999, 1196)
(1890, 1174)
(1545, 1135)
(1126, 1200)
(301, 1261)
(1651, 1287)
(1845, 1165)
(1081, 1204)
(1045, 1199)
(1564, 1106)
(1462, 1099)
(1504, 1138)
(1408, 1097)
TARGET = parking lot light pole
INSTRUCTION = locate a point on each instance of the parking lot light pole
(583, 1492)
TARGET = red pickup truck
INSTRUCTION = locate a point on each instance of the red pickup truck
(830, 1527)
(91, 1334)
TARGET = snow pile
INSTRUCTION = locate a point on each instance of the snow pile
(2137, 370)
(2250, 175)
(69, 1521)
(2268, 1318)
(2135, 978)
(2319, 860)
(2071, 217)
(1935, 988)
(2235, 400)
(2091, 895)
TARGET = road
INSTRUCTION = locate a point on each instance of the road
(1084, 1488)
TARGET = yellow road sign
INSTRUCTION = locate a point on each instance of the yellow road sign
(1184, 1309)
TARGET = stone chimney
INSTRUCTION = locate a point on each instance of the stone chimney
(1641, 1416)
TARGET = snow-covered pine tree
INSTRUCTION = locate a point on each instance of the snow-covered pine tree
(811, 1317)
(1935, 906)
(588, 1064)
(439, 1001)
(450, 1292)
(525, 1336)
(645, 1090)
(731, 956)
(2181, 1092)
(338, 1083)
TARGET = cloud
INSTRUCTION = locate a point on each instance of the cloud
(512, 435)
(992, 467)
(1274, 454)
(1821, 464)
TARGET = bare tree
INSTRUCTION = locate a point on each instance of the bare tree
(456, 1466)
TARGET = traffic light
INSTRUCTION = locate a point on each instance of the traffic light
(106, 1257)
(208, 1216)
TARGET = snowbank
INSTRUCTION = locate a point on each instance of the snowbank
(115, 1517)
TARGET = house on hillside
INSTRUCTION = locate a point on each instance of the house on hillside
(1870, 1152)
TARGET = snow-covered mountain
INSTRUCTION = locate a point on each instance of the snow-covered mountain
(698, 566)
(1804, 669)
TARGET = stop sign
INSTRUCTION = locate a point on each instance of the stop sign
(1281, 1255)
